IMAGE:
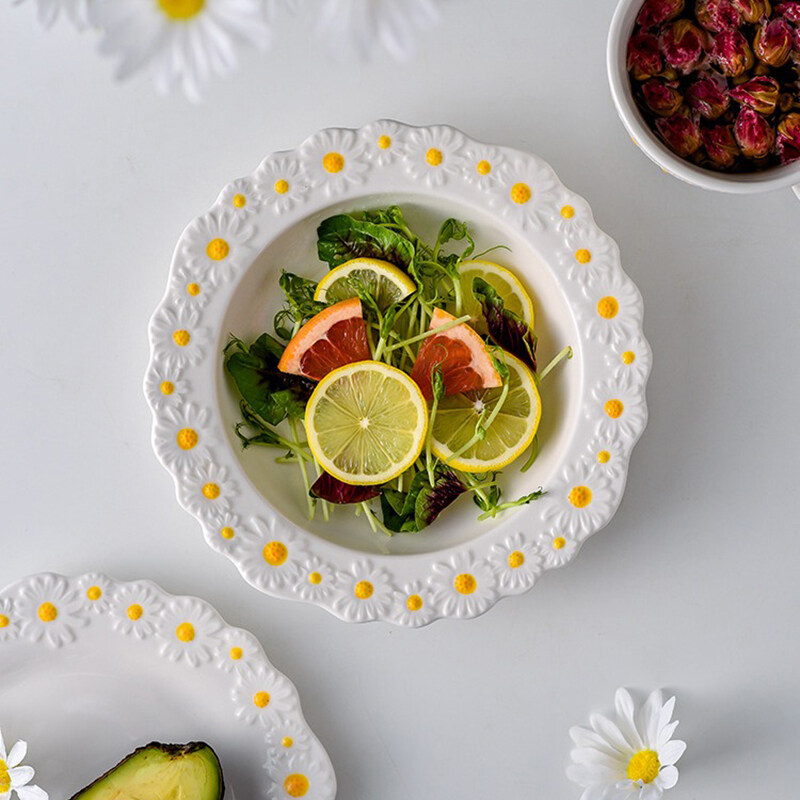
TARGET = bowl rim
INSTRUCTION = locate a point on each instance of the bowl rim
(643, 137)
(559, 225)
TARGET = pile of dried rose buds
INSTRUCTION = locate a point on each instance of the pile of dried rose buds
(719, 80)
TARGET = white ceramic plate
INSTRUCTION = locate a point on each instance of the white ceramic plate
(91, 668)
(224, 279)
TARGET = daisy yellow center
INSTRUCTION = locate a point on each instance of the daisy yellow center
(94, 593)
(135, 611)
(520, 193)
(516, 559)
(211, 491)
(47, 612)
(4, 621)
(227, 532)
(314, 578)
(364, 590)
(580, 496)
(167, 388)
(628, 357)
(275, 553)
(281, 186)
(239, 201)
(187, 439)
(261, 699)
(217, 249)
(559, 543)
(5, 778)
(287, 741)
(644, 766)
(484, 167)
(333, 162)
(603, 457)
(465, 583)
(608, 307)
(296, 785)
(614, 408)
(181, 338)
(193, 289)
(568, 212)
(583, 256)
(181, 9)
(434, 157)
(185, 632)
(236, 653)
(414, 602)
(384, 142)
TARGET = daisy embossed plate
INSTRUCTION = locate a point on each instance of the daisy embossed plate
(92, 668)
(223, 280)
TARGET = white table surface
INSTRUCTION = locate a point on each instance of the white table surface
(693, 586)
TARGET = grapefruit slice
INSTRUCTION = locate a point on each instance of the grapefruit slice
(460, 353)
(334, 337)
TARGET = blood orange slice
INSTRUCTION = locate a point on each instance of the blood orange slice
(460, 353)
(330, 339)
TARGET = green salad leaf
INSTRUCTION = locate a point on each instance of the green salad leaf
(344, 237)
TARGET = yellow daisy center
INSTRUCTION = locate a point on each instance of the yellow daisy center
(520, 193)
(614, 408)
(583, 256)
(167, 388)
(275, 553)
(236, 653)
(384, 142)
(414, 602)
(181, 9)
(5, 778)
(239, 200)
(211, 491)
(333, 162)
(287, 741)
(568, 212)
(296, 785)
(608, 307)
(281, 186)
(185, 632)
(580, 496)
(187, 438)
(47, 612)
(434, 157)
(217, 249)
(4, 621)
(94, 593)
(465, 583)
(516, 559)
(628, 357)
(135, 611)
(603, 457)
(483, 167)
(261, 699)
(644, 766)
(364, 590)
(314, 578)
(227, 532)
(559, 543)
(181, 338)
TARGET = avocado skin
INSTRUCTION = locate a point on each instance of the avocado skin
(172, 751)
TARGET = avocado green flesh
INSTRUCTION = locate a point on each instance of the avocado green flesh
(161, 772)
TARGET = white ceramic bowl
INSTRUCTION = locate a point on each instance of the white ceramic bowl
(268, 221)
(621, 29)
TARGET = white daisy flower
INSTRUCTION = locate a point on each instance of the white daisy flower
(374, 27)
(300, 775)
(182, 436)
(239, 652)
(285, 736)
(607, 455)
(178, 339)
(97, 592)
(225, 532)
(556, 548)
(617, 410)
(334, 158)
(315, 580)
(239, 195)
(50, 610)
(365, 592)
(207, 491)
(17, 778)
(414, 605)
(383, 141)
(48, 11)
(164, 388)
(272, 557)
(525, 192)
(181, 42)
(189, 631)
(281, 183)
(481, 165)
(432, 154)
(264, 697)
(516, 562)
(613, 312)
(9, 623)
(189, 289)
(632, 758)
(631, 361)
(579, 503)
(135, 610)
(571, 213)
(589, 257)
(217, 244)
(463, 587)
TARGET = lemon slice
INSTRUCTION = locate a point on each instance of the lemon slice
(503, 281)
(510, 434)
(366, 423)
(384, 281)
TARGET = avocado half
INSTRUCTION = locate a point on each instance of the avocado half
(161, 772)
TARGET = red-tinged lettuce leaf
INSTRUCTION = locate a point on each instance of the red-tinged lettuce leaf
(432, 500)
(507, 330)
(326, 487)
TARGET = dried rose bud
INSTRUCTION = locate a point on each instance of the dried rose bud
(760, 94)
(752, 10)
(789, 138)
(681, 133)
(720, 145)
(662, 98)
(644, 57)
(774, 41)
(790, 11)
(754, 134)
(732, 53)
(683, 45)
(717, 15)
(708, 95)
(654, 12)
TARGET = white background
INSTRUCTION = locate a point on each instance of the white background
(692, 587)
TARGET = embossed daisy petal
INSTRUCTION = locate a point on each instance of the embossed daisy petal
(364, 592)
(97, 592)
(50, 610)
(579, 502)
(286, 736)
(165, 388)
(135, 610)
(613, 311)
(280, 183)
(482, 163)
(631, 361)
(190, 290)
(207, 491)
(516, 562)
(239, 652)
(414, 605)
(556, 548)
(9, 622)
(272, 557)
(189, 630)
(589, 258)
(240, 196)
(434, 154)
(226, 533)
(183, 436)
(316, 580)
(383, 141)
(177, 338)
(300, 775)
(525, 192)
(607, 455)
(463, 586)
(617, 410)
(571, 213)
(262, 697)
(217, 244)
(333, 160)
